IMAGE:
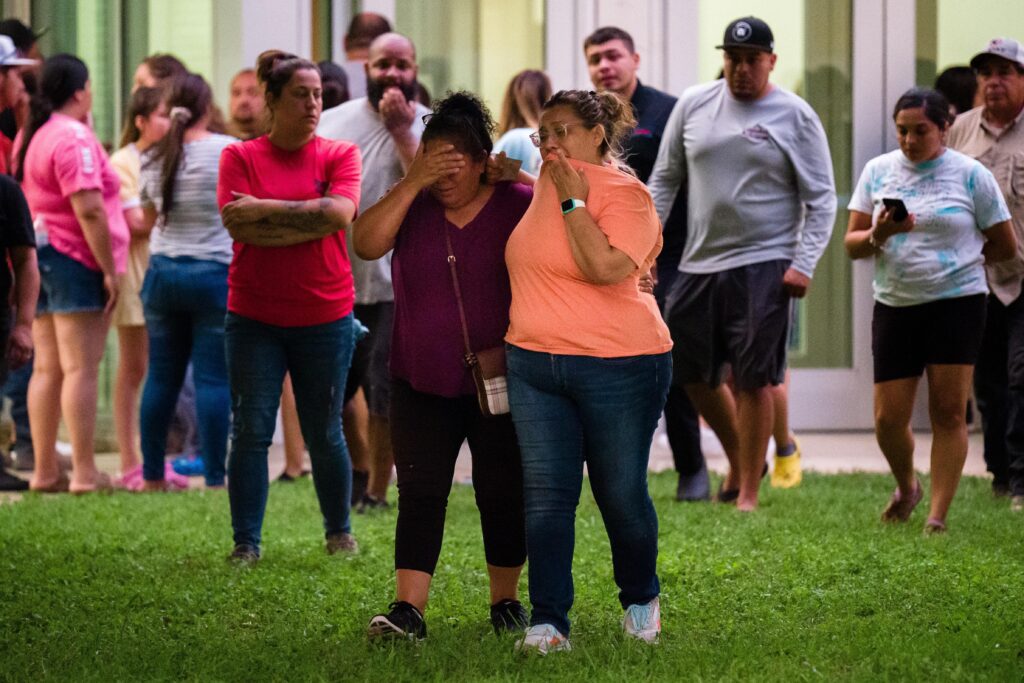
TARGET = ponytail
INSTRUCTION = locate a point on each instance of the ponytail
(63, 75)
(189, 101)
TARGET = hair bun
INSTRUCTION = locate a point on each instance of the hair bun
(269, 59)
(465, 104)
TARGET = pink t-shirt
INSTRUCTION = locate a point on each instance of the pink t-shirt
(64, 157)
(303, 284)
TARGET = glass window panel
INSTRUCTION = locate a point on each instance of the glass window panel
(950, 32)
(477, 45)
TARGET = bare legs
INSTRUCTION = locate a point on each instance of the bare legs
(294, 446)
(133, 352)
(745, 448)
(69, 347)
(413, 586)
(780, 423)
(382, 459)
(948, 389)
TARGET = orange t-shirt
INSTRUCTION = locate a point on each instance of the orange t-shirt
(555, 309)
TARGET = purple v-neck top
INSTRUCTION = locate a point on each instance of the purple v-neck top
(426, 344)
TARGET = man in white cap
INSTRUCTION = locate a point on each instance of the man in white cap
(17, 245)
(761, 208)
(12, 89)
(994, 135)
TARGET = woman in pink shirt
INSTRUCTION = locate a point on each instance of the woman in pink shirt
(73, 193)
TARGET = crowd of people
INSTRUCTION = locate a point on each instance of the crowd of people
(399, 278)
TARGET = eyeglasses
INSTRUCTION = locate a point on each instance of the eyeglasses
(559, 130)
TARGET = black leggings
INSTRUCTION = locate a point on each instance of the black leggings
(427, 432)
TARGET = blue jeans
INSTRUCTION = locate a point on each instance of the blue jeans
(571, 410)
(184, 301)
(318, 358)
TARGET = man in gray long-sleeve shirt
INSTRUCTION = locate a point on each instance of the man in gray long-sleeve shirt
(761, 208)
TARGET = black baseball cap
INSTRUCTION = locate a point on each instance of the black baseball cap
(748, 32)
(24, 37)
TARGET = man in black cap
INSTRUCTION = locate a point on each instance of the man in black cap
(755, 162)
(612, 61)
(994, 135)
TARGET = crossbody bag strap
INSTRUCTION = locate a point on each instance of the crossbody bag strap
(470, 358)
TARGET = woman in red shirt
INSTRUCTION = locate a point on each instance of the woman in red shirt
(286, 198)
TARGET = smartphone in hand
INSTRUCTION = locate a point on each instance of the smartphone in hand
(899, 209)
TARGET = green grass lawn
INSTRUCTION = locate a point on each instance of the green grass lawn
(811, 587)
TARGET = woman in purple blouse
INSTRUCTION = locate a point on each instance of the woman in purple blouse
(433, 402)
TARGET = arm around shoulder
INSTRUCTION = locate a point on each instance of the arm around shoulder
(1000, 243)
(375, 231)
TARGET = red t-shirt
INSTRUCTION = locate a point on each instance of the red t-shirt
(304, 284)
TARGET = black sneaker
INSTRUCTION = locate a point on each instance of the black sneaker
(244, 554)
(694, 487)
(402, 621)
(509, 616)
(9, 482)
(371, 503)
(24, 460)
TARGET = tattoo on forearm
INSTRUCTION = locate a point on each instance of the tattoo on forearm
(299, 215)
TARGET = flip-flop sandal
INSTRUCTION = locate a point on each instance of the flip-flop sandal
(730, 496)
(60, 486)
(900, 509)
(103, 484)
(726, 496)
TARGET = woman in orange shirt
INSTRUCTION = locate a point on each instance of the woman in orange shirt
(588, 360)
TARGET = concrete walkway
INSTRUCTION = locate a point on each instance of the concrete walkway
(826, 452)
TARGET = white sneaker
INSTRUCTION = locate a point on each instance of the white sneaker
(542, 639)
(643, 622)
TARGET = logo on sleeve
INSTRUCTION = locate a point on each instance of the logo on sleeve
(321, 187)
(88, 162)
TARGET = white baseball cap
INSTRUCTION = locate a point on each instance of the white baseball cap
(1007, 48)
(9, 54)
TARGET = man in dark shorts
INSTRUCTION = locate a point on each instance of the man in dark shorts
(19, 244)
(755, 162)
(612, 61)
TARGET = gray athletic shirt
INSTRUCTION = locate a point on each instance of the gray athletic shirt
(760, 179)
(193, 228)
(358, 122)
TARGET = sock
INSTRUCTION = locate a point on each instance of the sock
(787, 450)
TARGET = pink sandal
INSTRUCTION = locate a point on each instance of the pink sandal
(898, 509)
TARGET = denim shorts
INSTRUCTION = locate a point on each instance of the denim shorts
(67, 286)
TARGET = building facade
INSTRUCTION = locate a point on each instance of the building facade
(851, 59)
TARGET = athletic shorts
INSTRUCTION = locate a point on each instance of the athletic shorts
(738, 317)
(906, 339)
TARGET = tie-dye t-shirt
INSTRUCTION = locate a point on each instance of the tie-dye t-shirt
(953, 198)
